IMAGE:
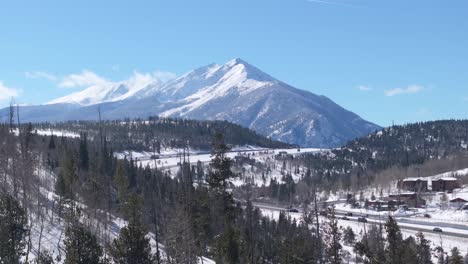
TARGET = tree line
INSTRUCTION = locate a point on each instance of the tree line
(156, 133)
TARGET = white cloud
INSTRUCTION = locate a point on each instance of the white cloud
(140, 80)
(85, 78)
(411, 89)
(364, 88)
(7, 92)
(40, 75)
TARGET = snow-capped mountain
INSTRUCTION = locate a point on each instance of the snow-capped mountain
(107, 91)
(236, 91)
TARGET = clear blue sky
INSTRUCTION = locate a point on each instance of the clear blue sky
(357, 52)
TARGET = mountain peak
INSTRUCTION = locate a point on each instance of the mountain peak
(235, 91)
(236, 61)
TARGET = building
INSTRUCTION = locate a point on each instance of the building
(458, 202)
(413, 184)
(411, 199)
(447, 184)
(377, 205)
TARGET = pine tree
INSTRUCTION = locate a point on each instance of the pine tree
(395, 239)
(13, 221)
(220, 165)
(409, 251)
(67, 177)
(132, 246)
(332, 239)
(372, 246)
(81, 247)
(51, 142)
(423, 249)
(121, 183)
(228, 246)
(348, 236)
(219, 174)
(455, 257)
(84, 155)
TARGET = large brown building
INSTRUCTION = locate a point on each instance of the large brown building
(445, 184)
(413, 184)
(422, 184)
(411, 199)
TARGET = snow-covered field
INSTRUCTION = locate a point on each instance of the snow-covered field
(50, 132)
(169, 159)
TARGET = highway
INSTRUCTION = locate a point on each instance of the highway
(402, 222)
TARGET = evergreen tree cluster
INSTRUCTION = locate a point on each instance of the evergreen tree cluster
(375, 247)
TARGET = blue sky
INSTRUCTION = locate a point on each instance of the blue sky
(400, 61)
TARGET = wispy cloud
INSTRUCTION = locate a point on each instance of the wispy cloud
(85, 78)
(164, 76)
(364, 88)
(40, 75)
(89, 78)
(7, 92)
(140, 80)
(412, 89)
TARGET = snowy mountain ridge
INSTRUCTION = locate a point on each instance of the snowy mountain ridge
(236, 92)
(107, 91)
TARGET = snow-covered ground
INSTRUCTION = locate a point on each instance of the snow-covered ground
(50, 132)
(170, 156)
(48, 227)
(169, 159)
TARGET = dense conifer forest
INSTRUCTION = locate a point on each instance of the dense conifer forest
(149, 135)
(194, 213)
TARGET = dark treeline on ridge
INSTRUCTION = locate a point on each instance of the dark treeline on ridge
(151, 134)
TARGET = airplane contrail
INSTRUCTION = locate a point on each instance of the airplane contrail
(326, 2)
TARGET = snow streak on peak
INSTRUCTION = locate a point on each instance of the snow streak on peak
(208, 83)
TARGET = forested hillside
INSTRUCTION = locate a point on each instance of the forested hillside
(78, 183)
(48, 180)
(360, 162)
(152, 134)
(397, 152)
